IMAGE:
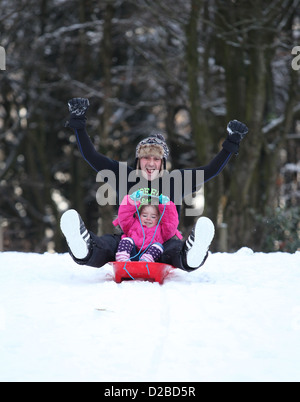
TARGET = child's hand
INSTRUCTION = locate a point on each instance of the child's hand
(137, 195)
(163, 199)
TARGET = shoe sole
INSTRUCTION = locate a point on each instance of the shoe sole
(70, 226)
(204, 234)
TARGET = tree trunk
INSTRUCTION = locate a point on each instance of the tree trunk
(198, 120)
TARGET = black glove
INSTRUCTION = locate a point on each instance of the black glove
(236, 132)
(77, 109)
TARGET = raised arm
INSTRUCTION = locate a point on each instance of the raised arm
(126, 213)
(236, 131)
(77, 121)
(170, 221)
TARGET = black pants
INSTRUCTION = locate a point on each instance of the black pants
(104, 249)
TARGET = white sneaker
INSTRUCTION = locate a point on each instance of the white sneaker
(76, 234)
(198, 242)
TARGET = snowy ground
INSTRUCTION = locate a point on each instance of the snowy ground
(237, 319)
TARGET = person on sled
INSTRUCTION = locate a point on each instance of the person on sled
(145, 227)
(148, 175)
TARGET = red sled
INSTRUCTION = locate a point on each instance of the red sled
(148, 271)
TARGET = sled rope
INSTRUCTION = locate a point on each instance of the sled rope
(127, 270)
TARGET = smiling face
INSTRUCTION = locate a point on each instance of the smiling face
(150, 166)
(149, 215)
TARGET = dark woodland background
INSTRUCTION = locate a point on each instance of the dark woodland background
(186, 67)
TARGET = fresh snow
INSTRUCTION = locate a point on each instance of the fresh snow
(236, 319)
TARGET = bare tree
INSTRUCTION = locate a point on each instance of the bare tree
(186, 67)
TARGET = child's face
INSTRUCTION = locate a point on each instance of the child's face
(149, 216)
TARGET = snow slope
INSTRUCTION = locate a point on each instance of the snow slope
(237, 319)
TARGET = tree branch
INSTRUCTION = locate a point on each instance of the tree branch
(275, 124)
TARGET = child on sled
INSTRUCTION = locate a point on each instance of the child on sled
(146, 227)
(150, 165)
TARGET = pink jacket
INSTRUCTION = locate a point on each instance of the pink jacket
(131, 226)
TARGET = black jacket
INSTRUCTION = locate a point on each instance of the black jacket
(124, 179)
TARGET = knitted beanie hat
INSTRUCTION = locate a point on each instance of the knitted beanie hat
(155, 145)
